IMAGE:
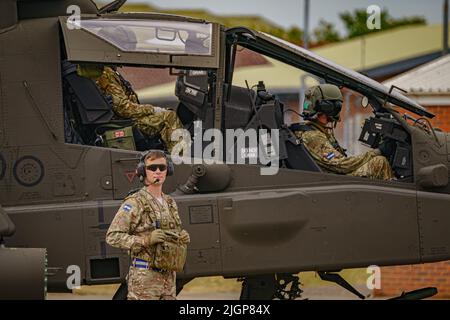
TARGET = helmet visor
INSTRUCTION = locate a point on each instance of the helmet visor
(331, 108)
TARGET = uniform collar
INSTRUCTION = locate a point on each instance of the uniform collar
(163, 195)
(320, 127)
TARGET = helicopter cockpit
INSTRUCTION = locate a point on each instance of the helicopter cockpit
(161, 44)
(190, 54)
(291, 67)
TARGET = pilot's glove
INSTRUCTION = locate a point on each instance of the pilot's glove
(184, 237)
(157, 236)
(387, 148)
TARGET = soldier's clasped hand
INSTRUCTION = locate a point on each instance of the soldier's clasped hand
(184, 237)
(157, 236)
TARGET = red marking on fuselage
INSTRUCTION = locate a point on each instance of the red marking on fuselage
(130, 176)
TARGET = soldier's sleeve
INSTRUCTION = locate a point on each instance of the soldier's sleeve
(328, 157)
(123, 106)
(180, 228)
(174, 210)
(119, 234)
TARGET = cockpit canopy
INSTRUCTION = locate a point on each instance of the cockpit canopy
(156, 36)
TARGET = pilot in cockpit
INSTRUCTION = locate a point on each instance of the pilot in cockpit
(150, 120)
(322, 107)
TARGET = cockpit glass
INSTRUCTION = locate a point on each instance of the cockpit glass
(156, 36)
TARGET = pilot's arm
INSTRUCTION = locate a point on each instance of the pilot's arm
(149, 119)
(125, 105)
(120, 231)
(330, 158)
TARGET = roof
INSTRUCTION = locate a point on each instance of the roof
(283, 79)
(430, 78)
(371, 51)
(429, 83)
(378, 55)
(386, 47)
(388, 53)
(150, 78)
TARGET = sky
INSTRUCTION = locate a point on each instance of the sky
(287, 13)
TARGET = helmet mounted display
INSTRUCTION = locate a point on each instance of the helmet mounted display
(324, 98)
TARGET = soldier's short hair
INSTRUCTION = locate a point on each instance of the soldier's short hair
(155, 154)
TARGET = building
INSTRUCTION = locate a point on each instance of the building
(429, 85)
(380, 55)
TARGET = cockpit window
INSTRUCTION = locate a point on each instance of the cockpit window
(157, 36)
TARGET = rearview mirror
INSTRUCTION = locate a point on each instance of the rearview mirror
(165, 34)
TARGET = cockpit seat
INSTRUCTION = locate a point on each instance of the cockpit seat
(88, 113)
(92, 106)
(299, 157)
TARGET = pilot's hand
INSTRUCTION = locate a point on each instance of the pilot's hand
(387, 148)
(184, 237)
(157, 236)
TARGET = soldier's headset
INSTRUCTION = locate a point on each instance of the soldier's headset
(140, 169)
(332, 108)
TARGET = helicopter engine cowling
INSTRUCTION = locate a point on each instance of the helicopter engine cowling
(23, 273)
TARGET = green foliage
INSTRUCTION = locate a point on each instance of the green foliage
(325, 32)
(294, 35)
(356, 22)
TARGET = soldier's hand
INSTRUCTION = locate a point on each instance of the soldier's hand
(184, 237)
(157, 236)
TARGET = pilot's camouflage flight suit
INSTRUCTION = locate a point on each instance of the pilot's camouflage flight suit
(134, 221)
(323, 146)
(149, 119)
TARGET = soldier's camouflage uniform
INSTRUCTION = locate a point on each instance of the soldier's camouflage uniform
(134, 221)
(327, 153)
(149, 119)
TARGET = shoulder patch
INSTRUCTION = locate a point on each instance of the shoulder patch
(127, 207)
(330, 156)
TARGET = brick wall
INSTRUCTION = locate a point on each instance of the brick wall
(442, 119)
(395, 280)
(398, 279)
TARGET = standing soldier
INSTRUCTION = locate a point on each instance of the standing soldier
(147, 224)
(322, 107)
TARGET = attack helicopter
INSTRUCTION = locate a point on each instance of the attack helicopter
(61, 186)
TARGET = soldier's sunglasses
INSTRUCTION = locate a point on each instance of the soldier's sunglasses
(153, 167)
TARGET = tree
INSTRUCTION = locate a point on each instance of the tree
(356, 22)
(325, 32)
(295, 35)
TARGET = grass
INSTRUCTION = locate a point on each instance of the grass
(101, 290)
(221, 285)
